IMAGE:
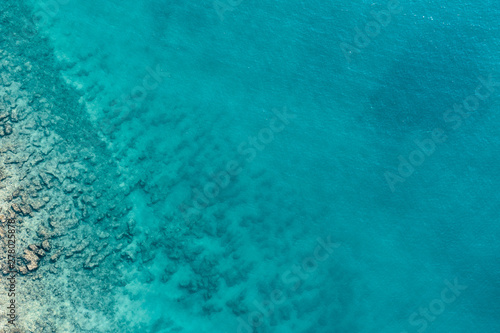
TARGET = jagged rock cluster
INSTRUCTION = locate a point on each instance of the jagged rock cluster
(57, 181)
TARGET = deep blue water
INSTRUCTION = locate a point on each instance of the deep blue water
(309, 141)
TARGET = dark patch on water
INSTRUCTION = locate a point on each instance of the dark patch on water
(437, 69)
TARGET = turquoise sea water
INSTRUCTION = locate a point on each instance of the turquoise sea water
(295, 166)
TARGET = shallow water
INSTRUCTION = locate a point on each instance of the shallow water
(249, 175)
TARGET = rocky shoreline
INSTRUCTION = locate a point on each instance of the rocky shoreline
(70, 200)
(51, 182)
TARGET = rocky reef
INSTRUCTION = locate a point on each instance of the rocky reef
(87, 253)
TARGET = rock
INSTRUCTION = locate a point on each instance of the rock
(95, 259)
(45, 179)
(69, 188)
(32, 266)
(56, 255)
(129, 255)
(77, 249)
(37, 204)
(14, 117)
(32, 259)
(43, 233)
(46, 245)
(88, 264)
(8, 129)
(15, 207)
(103, 235)
(26, 209)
